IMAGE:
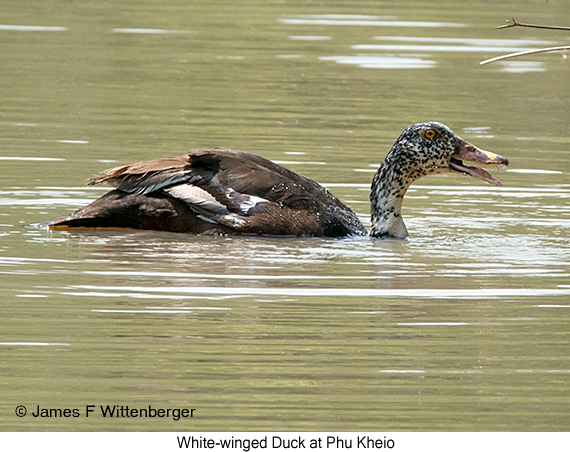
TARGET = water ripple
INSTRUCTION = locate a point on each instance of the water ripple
(364, 21)
(31, 28)
(326, 292)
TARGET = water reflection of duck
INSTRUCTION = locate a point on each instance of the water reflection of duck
(221, 191)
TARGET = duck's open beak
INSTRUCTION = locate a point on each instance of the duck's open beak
(466, 151)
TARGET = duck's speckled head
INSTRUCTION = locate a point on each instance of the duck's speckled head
(422, 149)
(433, 148)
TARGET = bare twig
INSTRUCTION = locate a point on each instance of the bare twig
(526, 52)
(514, 23)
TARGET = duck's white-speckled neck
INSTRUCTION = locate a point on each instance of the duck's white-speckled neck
(386, 196)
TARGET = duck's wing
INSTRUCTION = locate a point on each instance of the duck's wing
(216, 170)
(241, 191)
(145, 177)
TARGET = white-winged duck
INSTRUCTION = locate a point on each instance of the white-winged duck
(223, 192)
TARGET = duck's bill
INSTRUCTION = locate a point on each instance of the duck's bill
(466, 151)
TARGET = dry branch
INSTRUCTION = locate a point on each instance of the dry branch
(514, 23)
(525, 52)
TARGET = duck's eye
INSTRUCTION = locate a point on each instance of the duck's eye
(429, 134)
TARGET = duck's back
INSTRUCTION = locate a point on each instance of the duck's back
(215, 191)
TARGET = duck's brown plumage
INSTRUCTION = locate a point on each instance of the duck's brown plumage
(222, 191)
(215, 191)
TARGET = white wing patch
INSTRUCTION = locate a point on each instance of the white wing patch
(197, 196)
(211, 210)
(246, 203)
